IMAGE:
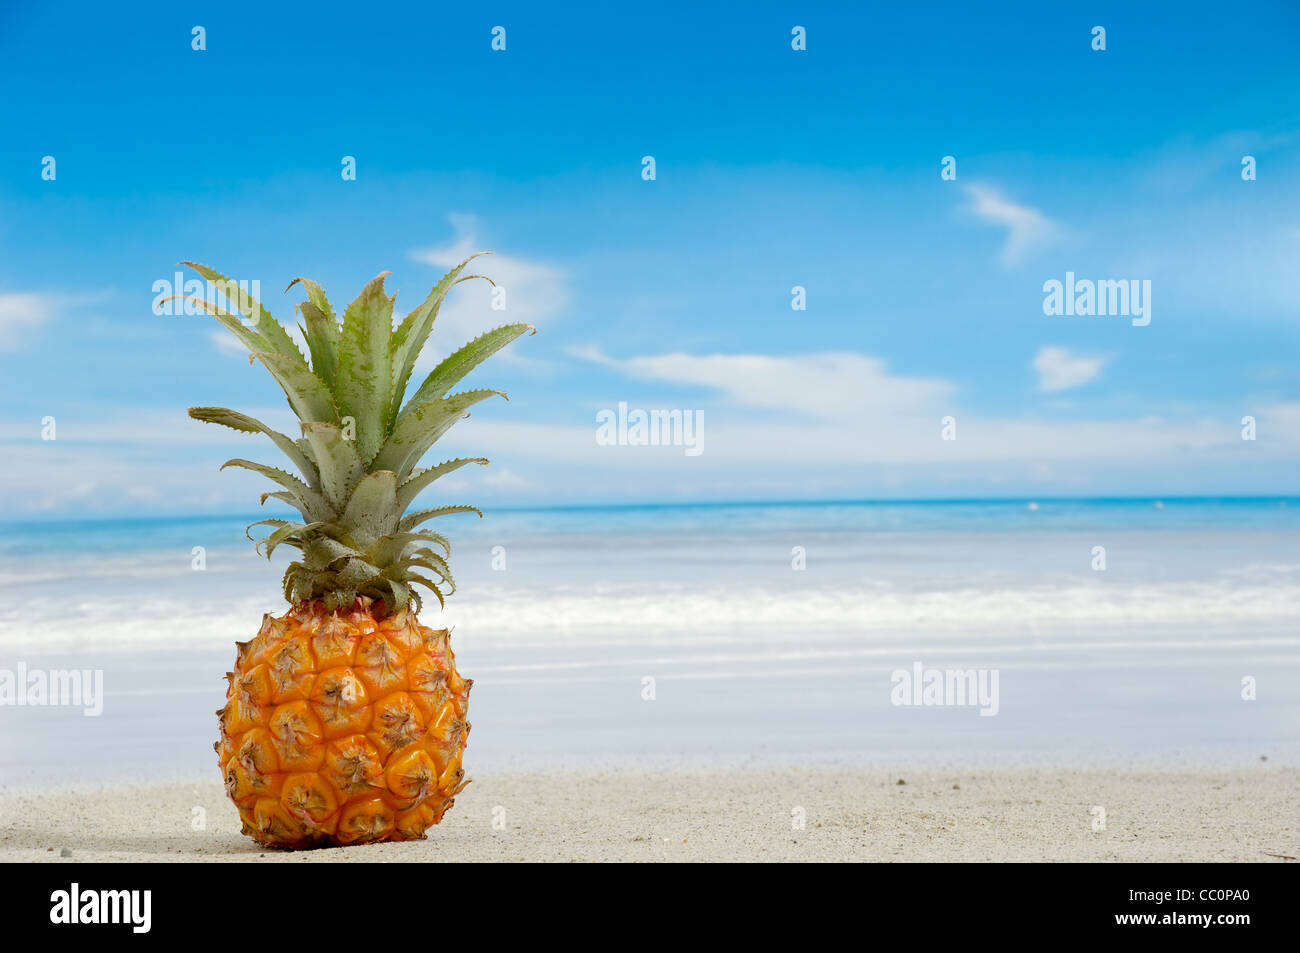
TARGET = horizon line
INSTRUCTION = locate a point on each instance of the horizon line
(704, 504)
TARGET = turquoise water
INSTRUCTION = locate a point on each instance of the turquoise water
(21, 540)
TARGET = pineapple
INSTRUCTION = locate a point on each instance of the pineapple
(344, 720)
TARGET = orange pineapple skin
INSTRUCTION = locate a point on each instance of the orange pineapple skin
(343, 727)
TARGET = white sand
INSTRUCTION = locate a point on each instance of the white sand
(1020, 814)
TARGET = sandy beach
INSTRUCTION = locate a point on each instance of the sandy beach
(688, 705)
(731, 814)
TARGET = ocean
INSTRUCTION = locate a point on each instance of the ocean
(1087, 631)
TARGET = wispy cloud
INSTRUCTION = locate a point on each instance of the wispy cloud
(505, 479)
(856, 412)
(836, 446)
(534, 291)
(847, 409)
(157, 426)
(1195, 161)
(21, 312)
(1059, 369)
(227, 343)
(1027, 228)
(828, 385)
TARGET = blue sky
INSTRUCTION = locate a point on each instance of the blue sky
(775, 168)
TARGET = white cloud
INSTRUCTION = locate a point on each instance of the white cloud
(752, 446)
(1027, 228)
(766, 416)
(1058, 369)
(744, 454)
(227, 343)
(823, 423)
(831, 385)
(121, 458)
(57, 475)
(21, 312)
(534, 292)
(152, 427)
(505, 479)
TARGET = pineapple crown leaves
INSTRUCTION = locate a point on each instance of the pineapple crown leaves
(418, 429)
(242, 422)
(413, 332)
(321, 331)
(306, 501)
(419, 479)
(362, 440)
(270, 329)
(412, 520)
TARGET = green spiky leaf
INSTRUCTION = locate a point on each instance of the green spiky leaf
(337, 461)
(456, 365)
(372, 510)
(245, 424)
(322, 334)
(430, 585)
(310, 503)
(420, 479)
(234, 324)
(293, 534)
(389, 549)
(430, 561)
(412, 520)
(307, 393)
(418, 429)
(413, 332)
(289, 498)
(269, 522)
(365, 376)
(265, 326)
